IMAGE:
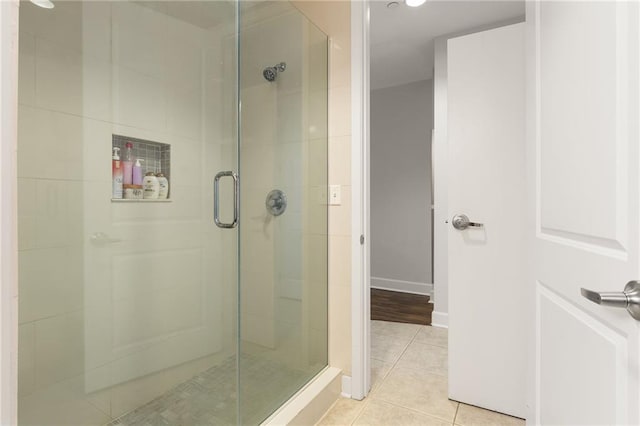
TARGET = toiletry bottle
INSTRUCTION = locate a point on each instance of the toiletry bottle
(163, 193)
(137, 172)
(128, 164)
(150, 186)
(116, 174)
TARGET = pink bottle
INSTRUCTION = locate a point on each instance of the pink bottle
(127, 178)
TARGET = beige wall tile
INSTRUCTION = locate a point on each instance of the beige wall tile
(340, 260)
(340, 111)
(340, 216)
(340, 64)
(332, 17)
(340, 328)
(340, 160)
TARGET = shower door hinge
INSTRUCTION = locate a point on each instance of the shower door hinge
(361, 239)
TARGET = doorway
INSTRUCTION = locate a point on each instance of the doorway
(386, 57)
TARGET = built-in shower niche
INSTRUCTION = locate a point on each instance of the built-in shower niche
(155, 157)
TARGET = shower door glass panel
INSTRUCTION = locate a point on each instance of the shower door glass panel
(128, 308)
(283, 238)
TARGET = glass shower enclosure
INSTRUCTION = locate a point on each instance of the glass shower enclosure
(199, 299)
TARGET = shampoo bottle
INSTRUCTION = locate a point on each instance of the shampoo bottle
(128, 164)
(163, 183)
(137, 172)
(116, 174)
(151, 187)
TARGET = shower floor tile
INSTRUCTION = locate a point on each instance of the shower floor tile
(210, 397)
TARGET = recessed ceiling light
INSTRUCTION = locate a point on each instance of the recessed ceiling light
(392, 5)
(47, 4)
(415, 3)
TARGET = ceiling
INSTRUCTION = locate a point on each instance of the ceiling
(402, 37)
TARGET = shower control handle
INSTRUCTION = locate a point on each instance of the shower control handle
(276, 202)
(462, 222)
(216, 200)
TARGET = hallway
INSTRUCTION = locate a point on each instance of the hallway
(409, 384)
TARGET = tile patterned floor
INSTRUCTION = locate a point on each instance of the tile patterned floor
(209, 398)
(409, 377)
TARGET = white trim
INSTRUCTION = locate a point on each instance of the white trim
(8, 212)
(360, 254)
(402, 286)
(440, 319)
(346, 386)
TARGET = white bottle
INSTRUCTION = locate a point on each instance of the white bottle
(163, 193)
(150, 186)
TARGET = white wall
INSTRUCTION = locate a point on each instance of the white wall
(401, 125)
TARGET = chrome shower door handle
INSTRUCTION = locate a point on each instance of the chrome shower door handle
(462, 222)
(216, 200)
(628, 299)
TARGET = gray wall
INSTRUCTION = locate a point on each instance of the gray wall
(401, 123)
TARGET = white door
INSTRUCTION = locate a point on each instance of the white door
(486, 139)
(583, 163)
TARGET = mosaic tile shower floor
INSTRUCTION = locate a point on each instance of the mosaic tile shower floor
(210, 397)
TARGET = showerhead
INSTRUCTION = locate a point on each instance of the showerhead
(270, 73)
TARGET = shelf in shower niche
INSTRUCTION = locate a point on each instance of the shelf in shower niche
(150, 157)
(122, 200)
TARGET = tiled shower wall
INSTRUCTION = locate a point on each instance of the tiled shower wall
(87, 72)
(284, 146)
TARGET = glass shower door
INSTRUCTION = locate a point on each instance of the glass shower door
(135, 307)
(128, 302)
(283, 203)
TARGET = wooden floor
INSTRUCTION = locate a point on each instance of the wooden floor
(400, 307)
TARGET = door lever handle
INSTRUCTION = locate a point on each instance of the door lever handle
(628, 299)
(462, 222)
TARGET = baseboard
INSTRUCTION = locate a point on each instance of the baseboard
(440, 319)
(346, 386)
(402, 286)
